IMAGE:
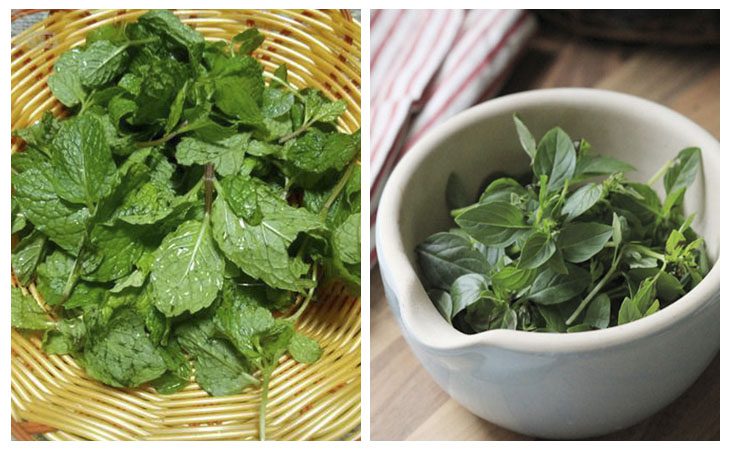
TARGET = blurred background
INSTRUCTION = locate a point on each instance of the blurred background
(427, 66)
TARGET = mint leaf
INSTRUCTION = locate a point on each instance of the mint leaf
(261, 251)
(318, 152)
(100, 63)
(346, 240)
(121, 354)
(220, 369)
(166, 25)
(226, 155)
(64, 224)
(303, 349)
(83, 167)
(25, 313)
(27, 254)
(65, 81)
(249, 41)
(188, 271)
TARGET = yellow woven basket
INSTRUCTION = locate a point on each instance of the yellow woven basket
(52, 398)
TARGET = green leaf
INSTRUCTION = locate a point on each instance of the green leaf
(668, 287)
(65, 81)
(115, 250)
(26, 313)
(512, 279)
(538, 249)
(497, 224)
(52, 275)
(466, 290)
(276, 102)
(219, 368)
(243, 320)
(121, 353)
(64, 224)
(444, 257)
(346, 240)
(320, 109)
(582, 200)
(261, 251)
(26, 256)
(580, 241)
(550, 288)
(526, 139)
(188, 271)
(303, 349)
(555, 157)
(83, 167)
(100, 63)
(628, 312)
(226, 155)
(178, 371)
(166, 25)
(236, 96)
(593, 165)
(683, 170)
(598, 313)
(249, 41)
(318, 152)
(67, 337)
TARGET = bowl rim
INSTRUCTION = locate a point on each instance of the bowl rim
(409, 293)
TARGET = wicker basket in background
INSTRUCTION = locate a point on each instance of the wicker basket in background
(52, 398)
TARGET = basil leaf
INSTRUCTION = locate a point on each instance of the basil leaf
(579, 241)
(582, 200)
(526, 139)
(444, 257)
(497, 224)
(550, 288)
(467, 289)
(538, 249)
(555, 157)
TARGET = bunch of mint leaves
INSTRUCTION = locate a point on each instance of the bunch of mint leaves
(573, 246)
(183, 213)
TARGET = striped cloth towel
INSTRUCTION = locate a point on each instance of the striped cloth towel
(426, 66)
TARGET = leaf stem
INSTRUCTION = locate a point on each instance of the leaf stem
(305, 126)
(337, 190)
(660, 173)
(289, 87)
(209, 179)
(184, 128)
(310, 294)
(606, 278)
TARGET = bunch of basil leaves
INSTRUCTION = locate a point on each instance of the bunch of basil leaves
(184, 211)
(577, 247)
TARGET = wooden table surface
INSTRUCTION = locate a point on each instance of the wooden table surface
(405, 402)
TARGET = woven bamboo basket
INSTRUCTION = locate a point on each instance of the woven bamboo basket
(53, 399)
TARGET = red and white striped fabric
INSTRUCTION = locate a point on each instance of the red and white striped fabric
(426, 66)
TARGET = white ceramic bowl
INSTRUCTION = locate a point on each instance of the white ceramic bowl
(541, 384)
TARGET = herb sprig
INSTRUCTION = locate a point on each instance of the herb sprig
(577, 247)
(184, 213)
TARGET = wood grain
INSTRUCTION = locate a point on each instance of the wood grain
(406, 404)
